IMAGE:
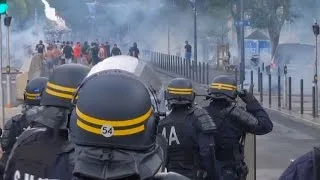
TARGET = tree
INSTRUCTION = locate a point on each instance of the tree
(74, 12)
(271, 15)
(23, 10)
(264, 14)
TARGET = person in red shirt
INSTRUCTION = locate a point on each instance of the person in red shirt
(77, 52)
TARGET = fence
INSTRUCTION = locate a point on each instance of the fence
(200, 72)
(277, 90)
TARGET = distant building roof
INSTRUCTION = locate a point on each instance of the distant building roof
(257, 35)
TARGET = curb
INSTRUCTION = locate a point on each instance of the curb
(299, 118)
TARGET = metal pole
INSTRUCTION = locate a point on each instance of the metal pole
(195, 33)
(168, 37)
(8, 71)
(316, 80)
(242, 64)
(1, 85)
(285, 90)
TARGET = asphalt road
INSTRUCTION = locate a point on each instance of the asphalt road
(287, 141)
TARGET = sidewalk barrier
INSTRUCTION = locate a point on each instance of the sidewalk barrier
(261, 87)
(279, 91)
(290, 98)
(270, 86)
(301, 96)
(313, 101)
(269, 79)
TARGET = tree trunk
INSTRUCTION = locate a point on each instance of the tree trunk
(274, 35)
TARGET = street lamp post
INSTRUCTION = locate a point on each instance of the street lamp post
(195, 33)
(316, 31)
(1, 77)
(172, 8)
(7, 22)
(242, 63)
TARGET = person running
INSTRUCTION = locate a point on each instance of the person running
(77, 53)
(68, 53)
(95, 54)
(107, 49)
(101, 54)
(48, 59)
(40, 48)
(85, 53)
(115, 50)
(56, 55)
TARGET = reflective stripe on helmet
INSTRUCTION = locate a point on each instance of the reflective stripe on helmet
(94, 125)
(183, 91)
(61, 88)
(223, 86)
(65, 92)
(32, 96)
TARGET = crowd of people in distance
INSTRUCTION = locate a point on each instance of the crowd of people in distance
(57, 53)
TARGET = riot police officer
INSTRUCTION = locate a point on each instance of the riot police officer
(36, 150)
(306, 167)
(114, 126)
(30, 110)
(189, 131)
(233, 123)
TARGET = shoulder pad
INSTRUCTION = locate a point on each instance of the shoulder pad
(17, 117)
(170, 176)
(25, 136)
(204, 121)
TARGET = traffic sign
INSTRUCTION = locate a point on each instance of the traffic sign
(251, 46)
(245, 23)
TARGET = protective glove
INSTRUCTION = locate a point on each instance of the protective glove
(246, 96)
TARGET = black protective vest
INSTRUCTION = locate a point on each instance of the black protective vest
(183, 157)
(34, 154)
(159, 176)
(316, 163)
(228, 146)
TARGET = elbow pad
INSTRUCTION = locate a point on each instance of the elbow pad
(204, 122)
(244, 118)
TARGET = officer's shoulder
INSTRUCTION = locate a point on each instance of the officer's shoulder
(198, 110)
(13, 120)
(203, 120)
(302, 164)
(17, 117)
(170, 176)
(30, 134)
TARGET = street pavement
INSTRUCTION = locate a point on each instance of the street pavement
(289, 139)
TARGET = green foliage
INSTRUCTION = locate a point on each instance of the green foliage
(23, 10)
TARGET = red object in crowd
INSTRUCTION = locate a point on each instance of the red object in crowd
(77, 51)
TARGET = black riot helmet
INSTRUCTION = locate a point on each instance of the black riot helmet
(33, 91)
(62, 84)
(113, 110)
(179, 92)
(223, 87)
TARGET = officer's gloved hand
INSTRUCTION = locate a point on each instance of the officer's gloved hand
(247, 97)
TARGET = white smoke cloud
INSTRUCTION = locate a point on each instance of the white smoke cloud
(51, 15)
